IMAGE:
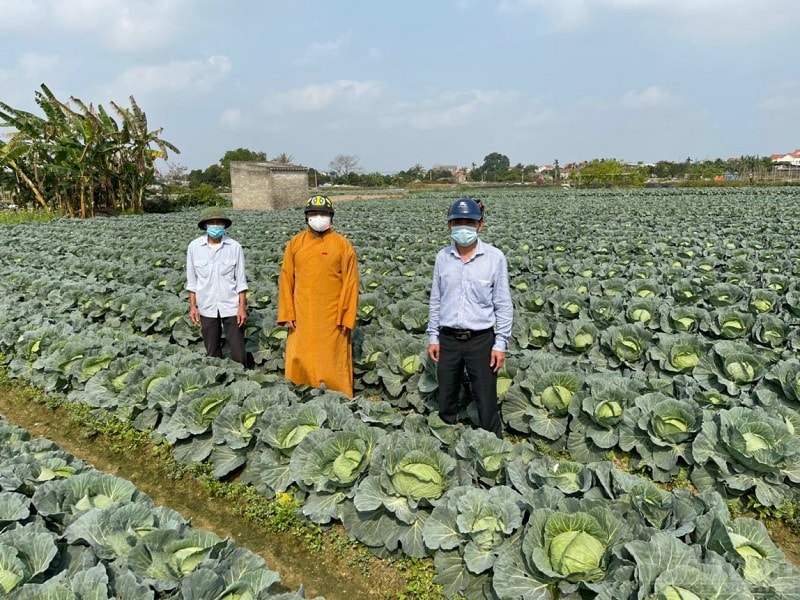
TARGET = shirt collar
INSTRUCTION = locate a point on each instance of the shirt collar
(205, 239)
(479, 249)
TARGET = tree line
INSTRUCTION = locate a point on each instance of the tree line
(81, 159)
(497, 169)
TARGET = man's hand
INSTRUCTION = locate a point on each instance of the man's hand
(290, 325)
(194, 315)
(497, 360)
(433, 352)
(241, 316)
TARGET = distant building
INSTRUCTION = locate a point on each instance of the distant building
(268, 185)
(791, 159)
(458, 174)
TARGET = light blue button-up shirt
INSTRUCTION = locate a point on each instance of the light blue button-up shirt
(471, 295)
(216, 276)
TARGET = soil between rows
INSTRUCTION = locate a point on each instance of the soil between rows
(331, 575)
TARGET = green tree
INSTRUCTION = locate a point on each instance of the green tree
(495, 166)
(213, 175)
(610, 173)
(283, 158)
(238, 155)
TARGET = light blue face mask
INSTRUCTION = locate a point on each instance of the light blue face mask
(464, 235)
(215, 231)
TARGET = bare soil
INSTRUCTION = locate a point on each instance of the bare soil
(339, 575)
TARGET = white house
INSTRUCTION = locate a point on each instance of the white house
(791, 159)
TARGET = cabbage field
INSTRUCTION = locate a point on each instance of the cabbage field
(651, 392)
(70, 532)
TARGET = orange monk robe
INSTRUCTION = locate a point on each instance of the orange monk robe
(318, 289)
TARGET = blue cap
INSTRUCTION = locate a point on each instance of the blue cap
(465, 208)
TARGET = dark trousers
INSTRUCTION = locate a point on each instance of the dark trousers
(475, 355)
(211, 330)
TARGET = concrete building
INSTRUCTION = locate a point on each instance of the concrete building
(268, 185)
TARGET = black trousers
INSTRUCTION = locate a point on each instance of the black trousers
(211, 330)
(475, 355)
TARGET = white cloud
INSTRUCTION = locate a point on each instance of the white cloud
(784, 97)
(321, 50)
(27, 75)
(22, 17)
(338, 94)
(535, 119)
(231, 117)
(175, 77)
(126, 25)
(651, 97)
(564, 15)
(732, 21)
(446, 111)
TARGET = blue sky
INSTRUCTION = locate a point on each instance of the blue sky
(428, 82)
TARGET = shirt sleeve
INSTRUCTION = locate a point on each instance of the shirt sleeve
(286, 285)
(435, 305)
(503, 306)
(348, 301)
(241, 277)
(191, 278)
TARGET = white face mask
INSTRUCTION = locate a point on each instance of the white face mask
(319, 223)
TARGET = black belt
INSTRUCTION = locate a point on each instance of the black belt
(462, 335)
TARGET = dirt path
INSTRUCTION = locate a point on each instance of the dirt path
(323, 574)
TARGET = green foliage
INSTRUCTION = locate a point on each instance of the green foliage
(609, 173)
(25, 216)
(201, 195)
(419, 576)
(77, 159)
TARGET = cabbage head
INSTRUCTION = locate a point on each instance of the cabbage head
(732, 324)
(578, 336)
(604, 311)
(679, 353)
(414, 467)
(760, 442)
(627, 343)
(674, 421)
(762, 301)
(724, 294)
(556, 390)
(571, 545)
(576, 545)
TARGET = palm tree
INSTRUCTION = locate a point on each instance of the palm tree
(283, 158)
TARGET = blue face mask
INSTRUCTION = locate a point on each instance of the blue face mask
(215, 231)
(464, 235)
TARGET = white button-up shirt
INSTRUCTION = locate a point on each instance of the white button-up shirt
(216, 276)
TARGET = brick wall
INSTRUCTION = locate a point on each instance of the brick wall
(267, 186)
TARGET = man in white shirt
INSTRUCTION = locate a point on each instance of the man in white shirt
(217, 285)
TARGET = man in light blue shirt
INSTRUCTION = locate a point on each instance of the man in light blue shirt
(470, 315)
(217, 286)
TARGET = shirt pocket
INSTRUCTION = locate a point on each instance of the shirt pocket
(481, 291)
(204, 268)
(227, 269)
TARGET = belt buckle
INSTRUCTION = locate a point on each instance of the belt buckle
(463, 335)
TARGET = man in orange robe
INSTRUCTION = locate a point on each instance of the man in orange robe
(318, 300)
